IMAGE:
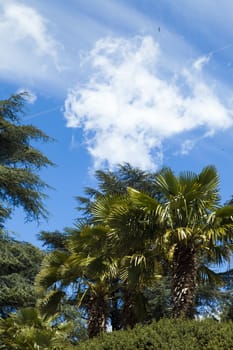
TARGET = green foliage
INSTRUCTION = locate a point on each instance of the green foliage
(20, 185)
(77, 273)
(88, 260)
(53, 240)
(28, 330)
(226, 303)
(19, 264)
(193, 231)
(167, 335)
(140, 252)
(116, 182)
(159, 301)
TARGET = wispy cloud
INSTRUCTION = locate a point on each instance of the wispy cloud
(129, 106)
(186, 147)
(200, 62)
(28, 49)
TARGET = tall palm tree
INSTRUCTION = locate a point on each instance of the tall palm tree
(82, 274)
(91, 252)
(190, 227)
(130, 242)
(96, 206)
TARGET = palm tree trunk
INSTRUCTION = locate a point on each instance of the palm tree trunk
(97, 315)
(115, 314)
(128, 312)
(115, 311)
(184, 281)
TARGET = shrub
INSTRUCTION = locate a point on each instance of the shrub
(167, 335)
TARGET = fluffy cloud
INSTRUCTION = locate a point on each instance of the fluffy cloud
(28, 50)
(131, 103)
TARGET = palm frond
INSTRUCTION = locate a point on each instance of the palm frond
(208, 276)
(167, 183)
(225, 212)
(49, 304)
(142, 200)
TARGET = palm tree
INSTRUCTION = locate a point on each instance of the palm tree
(82, 274)
(96, 206)
(130, 242)
(90, 251)
(28, 329)
(191, 227)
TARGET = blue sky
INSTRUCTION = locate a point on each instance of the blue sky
(140, 81)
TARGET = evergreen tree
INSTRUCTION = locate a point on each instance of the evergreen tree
(20, 161)
(53, 240)
(109, 183)
(19, 264)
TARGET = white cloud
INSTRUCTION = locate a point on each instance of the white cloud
(28, 49)
(28, 24)
(186, 147)
(200, 62)
(129, 106)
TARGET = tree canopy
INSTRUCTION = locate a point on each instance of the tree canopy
(19, 264)
(193, 229)
(143, 247)
(20, 161)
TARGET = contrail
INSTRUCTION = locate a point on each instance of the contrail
(221, 49)
(42, 112)
(204, 59)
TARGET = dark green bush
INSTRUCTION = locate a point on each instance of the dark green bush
(167, 335)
